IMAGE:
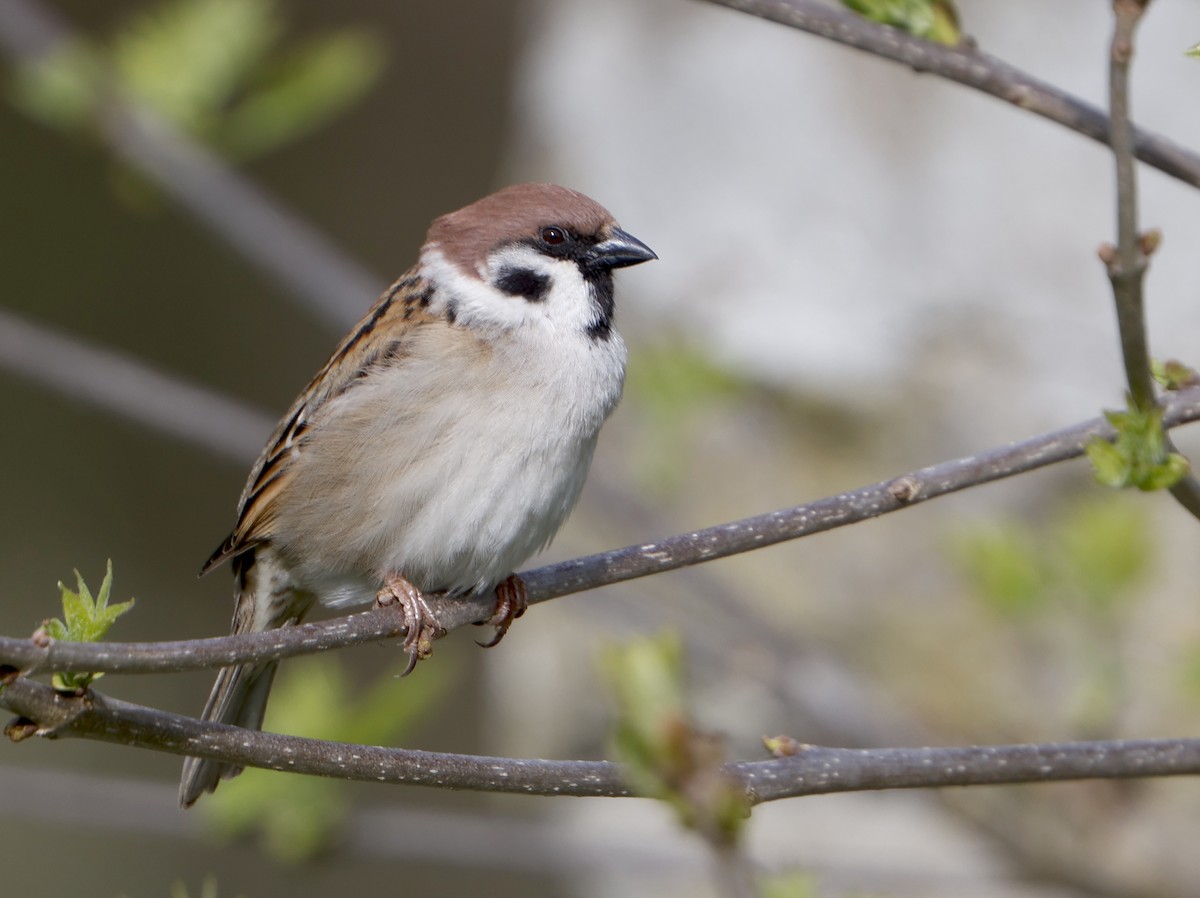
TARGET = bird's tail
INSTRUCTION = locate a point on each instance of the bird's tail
(239, 697)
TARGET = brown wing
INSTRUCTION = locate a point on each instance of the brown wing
(401, 309)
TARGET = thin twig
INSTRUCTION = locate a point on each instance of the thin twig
(1127, 266)
(125, 386)
(972, 68)
(592, 571)
(815, 770)
(812, 770)
(1128, 261)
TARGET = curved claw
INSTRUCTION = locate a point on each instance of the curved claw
(512, 598)
(420, 623)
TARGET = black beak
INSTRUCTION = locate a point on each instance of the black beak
(621, 250)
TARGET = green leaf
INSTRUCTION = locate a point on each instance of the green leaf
(187, 57)
(85, 619)
(674, 384)
(665, 756)
(1193, 51)
(211, 67)
(1105, 549)
(1003, 564)
(59, 88)
(301, 92)
(933, 20)
(790, 885)
(1109, 464)
(1174, 374)
(1137, 456)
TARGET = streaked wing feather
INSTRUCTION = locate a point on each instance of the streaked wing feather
(399, 310)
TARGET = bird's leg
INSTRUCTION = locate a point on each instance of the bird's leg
(419, 620)
(512, 598)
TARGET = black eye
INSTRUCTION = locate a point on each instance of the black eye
(554, 236)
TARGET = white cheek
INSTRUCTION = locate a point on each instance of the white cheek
(567, 304)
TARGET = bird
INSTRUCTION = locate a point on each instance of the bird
(444, 442)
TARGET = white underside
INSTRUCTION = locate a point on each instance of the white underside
(452, 467)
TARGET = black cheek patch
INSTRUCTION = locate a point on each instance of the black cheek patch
(524, 283)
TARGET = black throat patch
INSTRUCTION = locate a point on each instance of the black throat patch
(600, 280)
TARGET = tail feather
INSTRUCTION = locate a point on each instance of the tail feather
(265, 600)
(238, 698)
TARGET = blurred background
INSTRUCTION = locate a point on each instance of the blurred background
(862, 272)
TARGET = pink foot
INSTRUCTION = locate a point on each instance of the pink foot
(512, 599)
(419, 620)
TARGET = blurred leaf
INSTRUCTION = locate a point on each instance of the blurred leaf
(1174, 374)
(1110, 465)
(1105, 549)
(298, 815)
(84, 620)
(1138, 456)
(1189, 674)
(210, 67)
(60, 87)
(185, 58)
(208, 888)
(1002, 563)
(303, 91)
(790, 885)
(933, 20)
(1193, 51)
(673, 383)
(782, 746)
(676, 378)
(1097, 550)
(665, 756)
(646, 681)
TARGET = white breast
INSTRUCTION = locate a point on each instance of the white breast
(453, 466)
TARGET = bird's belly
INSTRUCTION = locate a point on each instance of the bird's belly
(453, 494)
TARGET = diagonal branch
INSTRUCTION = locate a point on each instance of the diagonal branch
(580, 574)
(970, 67)
(811, 770)
(108, 379)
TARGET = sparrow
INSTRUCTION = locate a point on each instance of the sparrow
(444, 442)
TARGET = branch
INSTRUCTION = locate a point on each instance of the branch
(1127, 264)
(969, 66)
(1128, 260)
(135, 390)
(99, 717)
(592, 571)
(812, 770)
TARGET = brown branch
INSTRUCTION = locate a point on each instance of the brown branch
(1127, 262)
(99, 717)
(816, 770)
(580, 574)
(971, 68)
(812, 770)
